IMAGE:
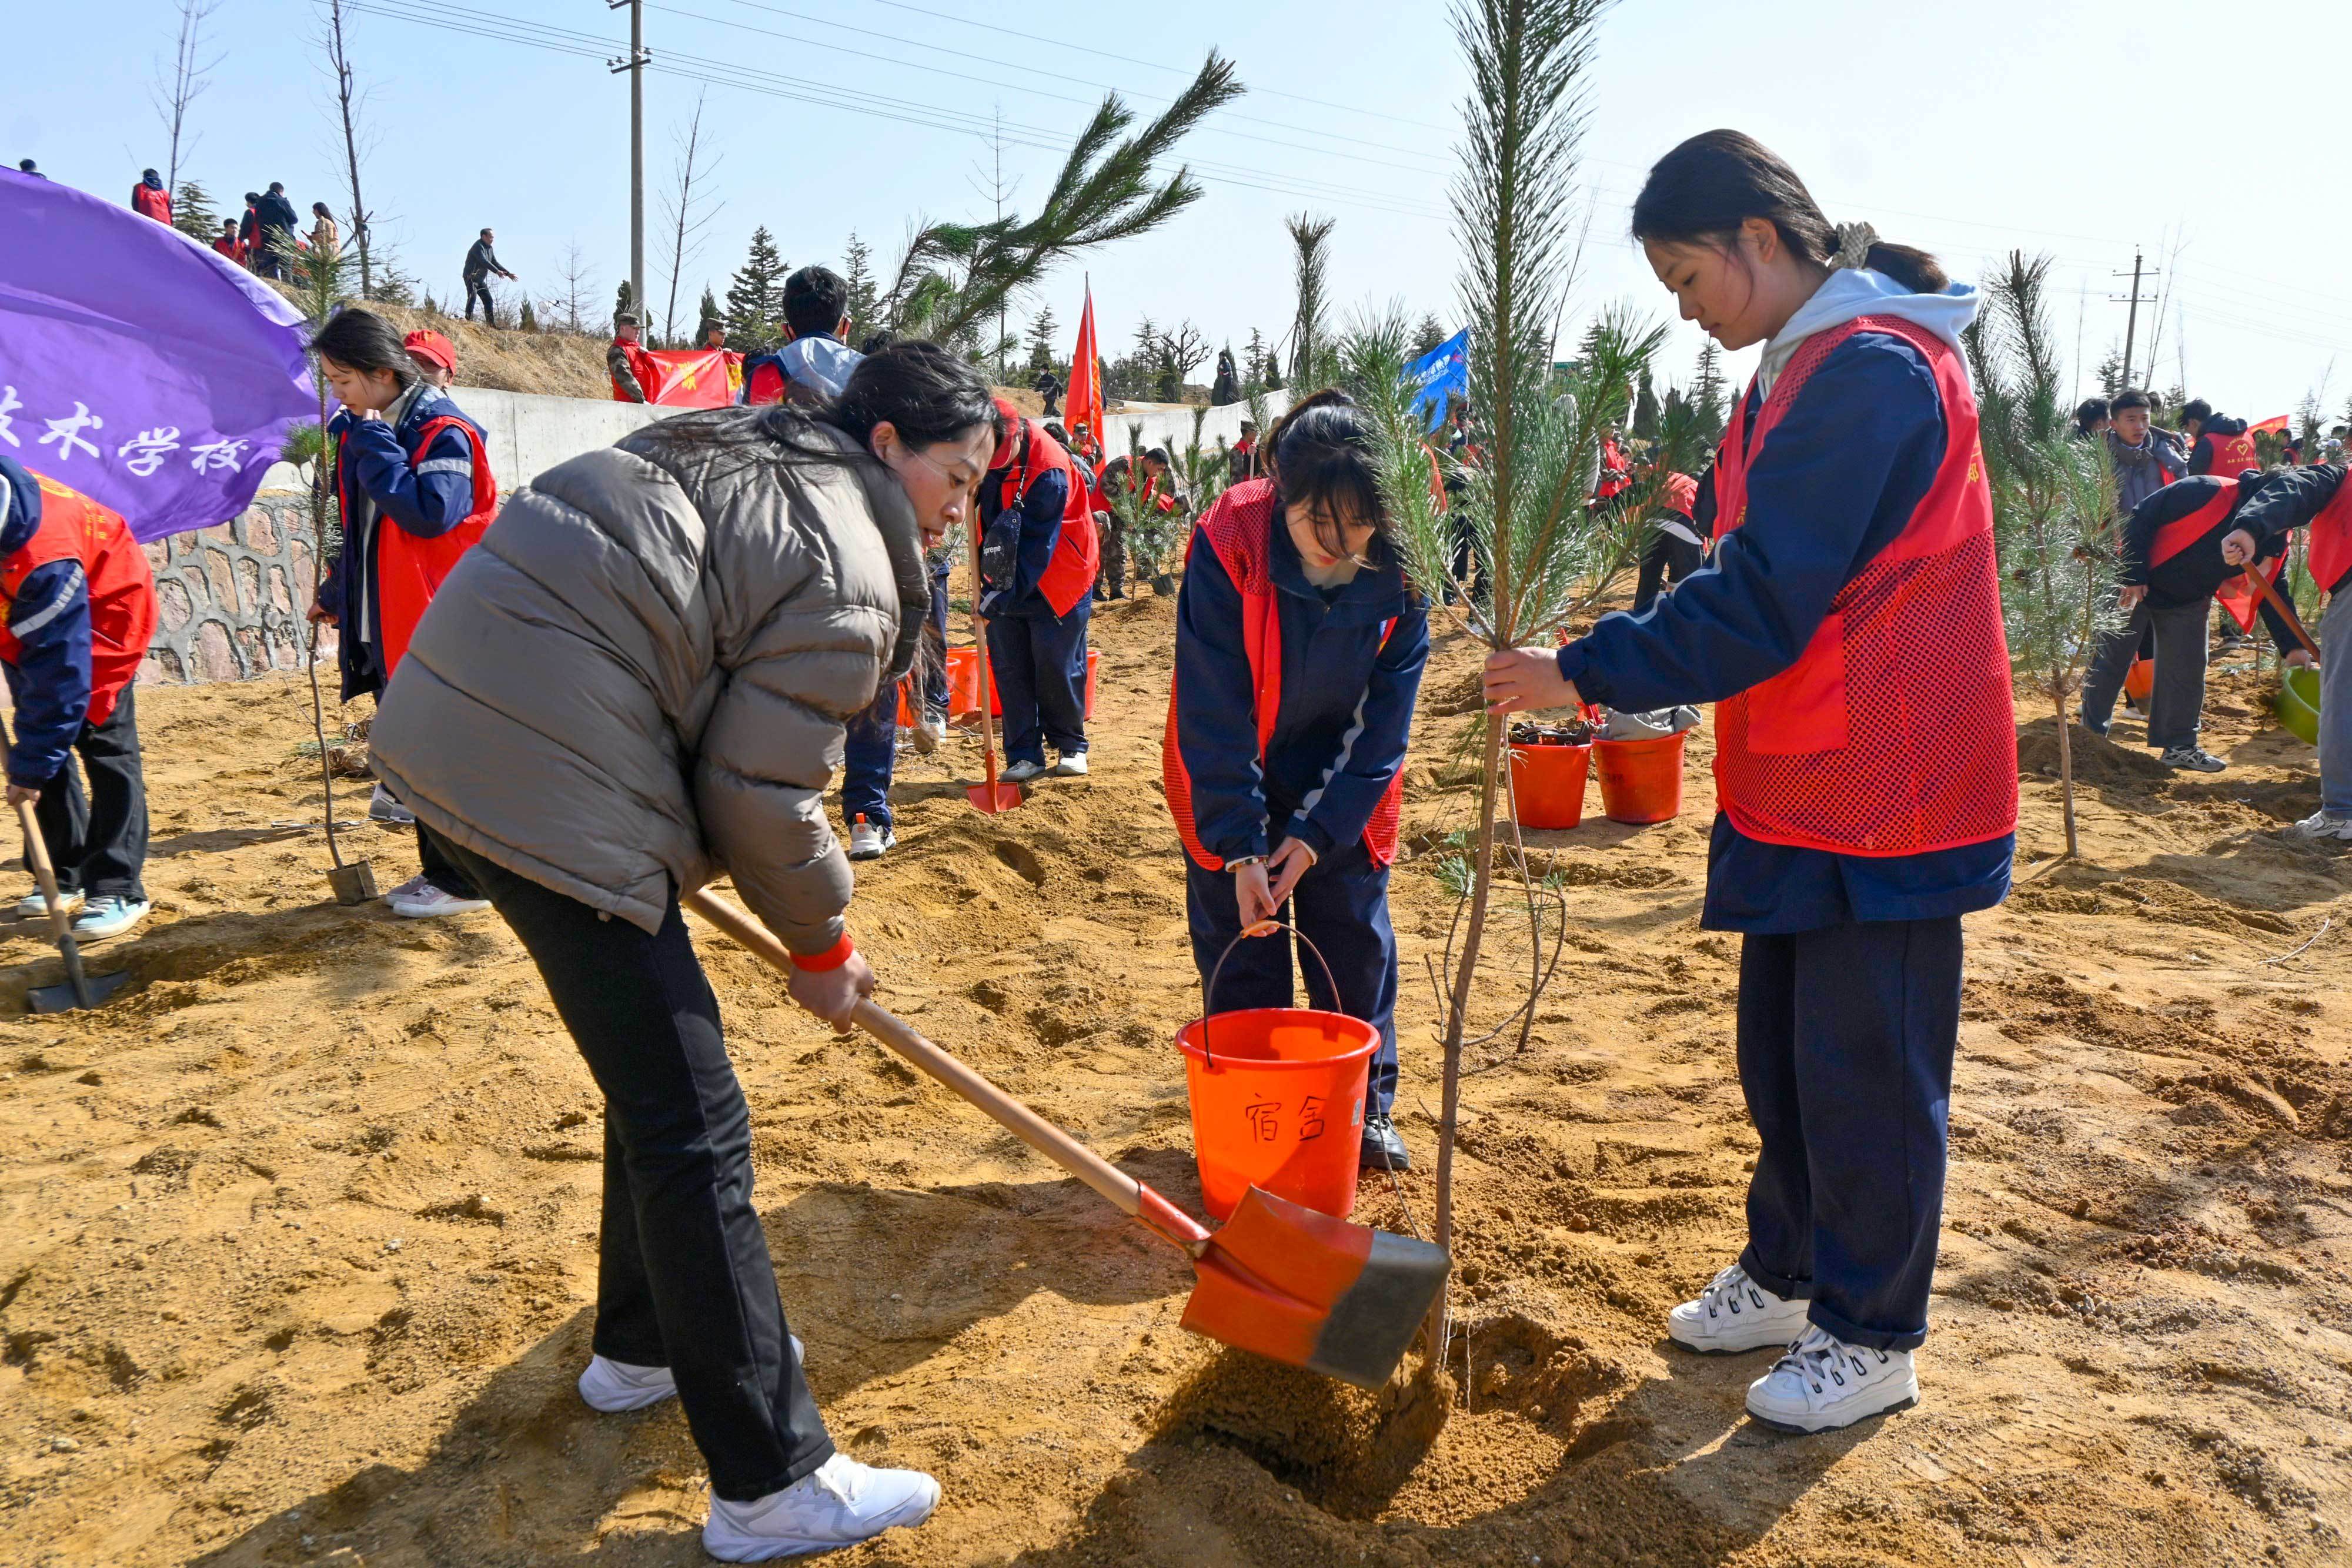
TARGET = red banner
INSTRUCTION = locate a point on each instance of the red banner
(693, 378)
(2276, 421)
(1082, 413)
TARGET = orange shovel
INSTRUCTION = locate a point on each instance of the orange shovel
(1292, 1285)
(2269, 591)
(988, 796)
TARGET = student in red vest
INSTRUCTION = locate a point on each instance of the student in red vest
(228, 243)
(1849, 629)
(150, 200)
(635, 374)
(1038, 559)
(1299, 649)
(413, 486)
(2318, 498)
(2183, 546)
(81, 608)
(2219, 445)
(436, 357)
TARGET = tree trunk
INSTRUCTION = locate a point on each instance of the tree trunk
(2066, 773)
(1482, 880)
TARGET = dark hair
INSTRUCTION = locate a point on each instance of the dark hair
(320, 208)
(2130, 397)
(1322, 457)
(878, 341)
(277, 187)
(816, 300)
(362, 341)
(1158, 455)
(2093, 409)
(1705, 188)
(1054, 428)
(251, 197)
(2197, 408)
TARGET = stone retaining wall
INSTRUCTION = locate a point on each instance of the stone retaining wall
(230, 598)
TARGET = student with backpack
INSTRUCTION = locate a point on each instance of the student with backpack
(1300, 650)
(1849, 628)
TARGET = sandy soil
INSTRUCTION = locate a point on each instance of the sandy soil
(298, 1248)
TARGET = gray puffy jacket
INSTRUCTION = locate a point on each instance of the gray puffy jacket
(639, 678)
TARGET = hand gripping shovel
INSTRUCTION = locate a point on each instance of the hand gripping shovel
(80, 991)
(1292, 1285)
(988, 796)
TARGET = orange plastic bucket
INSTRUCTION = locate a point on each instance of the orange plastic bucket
(963, 684)
(1640, 780)
(1548, 784)
(2139, 681)
(1277, 1097)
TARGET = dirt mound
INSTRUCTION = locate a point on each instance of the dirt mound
(2097, 759)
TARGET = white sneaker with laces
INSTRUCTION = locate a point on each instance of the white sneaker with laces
(839, 1503)
(109, 917)
(1023, 772)
(1072, 765)
(386, 806)
(33, 906)
(2317, 828)
(1824, 1384)
(430, 902)
(613, 1386)
(1735, 1313)
(867, 841)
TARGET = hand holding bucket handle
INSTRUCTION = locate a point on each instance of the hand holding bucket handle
(1262, 928)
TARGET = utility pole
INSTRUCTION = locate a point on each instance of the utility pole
(636, 66)
(2131, 322)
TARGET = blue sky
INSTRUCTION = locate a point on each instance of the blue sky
(2077, 130)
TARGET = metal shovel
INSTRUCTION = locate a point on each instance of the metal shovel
(353, 882)
(1294, 1285)
(81, 990)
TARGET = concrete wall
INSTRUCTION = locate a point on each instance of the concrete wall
(1165, 424)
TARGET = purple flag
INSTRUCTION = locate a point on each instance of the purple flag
(137, 366)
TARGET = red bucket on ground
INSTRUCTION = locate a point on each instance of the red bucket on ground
(963, 686)
(1278, 1100)
(2139, 681)
(1548, 784)
(1640, 780)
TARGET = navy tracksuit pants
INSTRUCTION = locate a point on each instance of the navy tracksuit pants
(870, 749)
(1846, 1035)
(1040, 665)
(1342, 907)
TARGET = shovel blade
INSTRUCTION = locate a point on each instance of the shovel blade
(994, 798)
(353, 882)
(1303, 1287)
(62, 999)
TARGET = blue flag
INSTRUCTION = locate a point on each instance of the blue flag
(1442, 372)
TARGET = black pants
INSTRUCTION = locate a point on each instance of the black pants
(1667, 558)
(98, 840)
(439, 869)
(1040, 664)
(479, 288)
(684, 1279)
(2176, 709)
(1846, 1037)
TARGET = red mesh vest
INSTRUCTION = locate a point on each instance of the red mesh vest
(1240, 528)
(2331, 537)
(408, 571)
(1892, 734)
(122, 587)
(1069, 574)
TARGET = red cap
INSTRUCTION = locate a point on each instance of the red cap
(433, 348)
(1008, 425)
(1682, 493)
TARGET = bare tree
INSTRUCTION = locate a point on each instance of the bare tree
(183, 81)
(995, 192)
(687, 207)
(573, 306)
(350, 101)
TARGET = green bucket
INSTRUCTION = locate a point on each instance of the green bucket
(2298, 705)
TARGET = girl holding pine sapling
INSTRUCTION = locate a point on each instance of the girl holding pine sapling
(1850, 628)
(1300, 650)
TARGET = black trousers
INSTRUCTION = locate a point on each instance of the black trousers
(479, 288)
(684, 1278)
(1846, 1037)
(98, 840)
(1665, 559)
(439, 869)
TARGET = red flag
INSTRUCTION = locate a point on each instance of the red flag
(1082, 412)
(2276, 421)
(692, 378)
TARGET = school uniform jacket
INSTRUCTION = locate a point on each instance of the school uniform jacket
(2179, 562)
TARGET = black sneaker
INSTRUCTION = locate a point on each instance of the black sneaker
(1382, 1150)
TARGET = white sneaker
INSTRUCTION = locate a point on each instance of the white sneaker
(109, 917)
(2317, 828)
(838, 1504)
(430, 902)
(33, 906)
(1023, 772)
(1824, 1384)
(867, 841)
(409, 888)
(1735, 1313)
(613, 1386)
(385, 807)
(1072, 765)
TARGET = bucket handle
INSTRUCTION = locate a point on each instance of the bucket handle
(1262, 928)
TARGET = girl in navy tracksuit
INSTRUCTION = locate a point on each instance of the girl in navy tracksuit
(1849, 628)
(1300, 647)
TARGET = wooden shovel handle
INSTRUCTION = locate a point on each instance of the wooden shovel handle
(36, 850)
(980, 657)
(2277, 600)
(1131, 1196)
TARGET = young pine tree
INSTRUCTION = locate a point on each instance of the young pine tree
(755, 296)
(1041, 339)
(1428, 336)
(193, 214)
(857, 271)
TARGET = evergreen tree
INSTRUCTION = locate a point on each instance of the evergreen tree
(529, 318)
(1645, 410)
(1706, 396)
(755, 296)
(193, 214)
(1428, 336)
(1041, 340)
(2110, 373)
(1256, 371)
(857, 271)
(708, 312)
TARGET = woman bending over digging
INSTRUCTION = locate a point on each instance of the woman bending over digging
(634, 684)
(1300, 647)
(1850, 629)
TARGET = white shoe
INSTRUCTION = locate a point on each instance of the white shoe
(838, 1504)
(428, 901)
(33, 906)
(1824, 1384)
(385, 807)
(613, 1386)
(1735, 1313)
(1072, 765)
(2192, 759)
(867, 841)
(1023, 772)
(109, 917)
(409, 888)
(2319, 827)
